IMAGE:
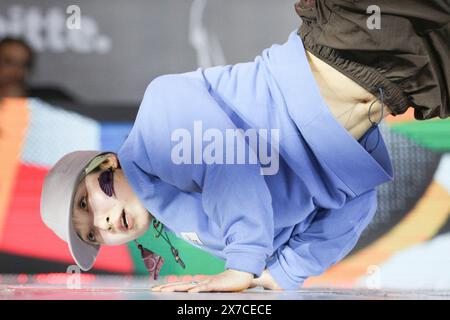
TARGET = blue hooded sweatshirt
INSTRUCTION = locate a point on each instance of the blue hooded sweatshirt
(296, 222)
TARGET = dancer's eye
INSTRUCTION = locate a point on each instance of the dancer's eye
(91, 236)
(106, 182)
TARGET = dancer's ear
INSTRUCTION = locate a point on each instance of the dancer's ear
(110, 162)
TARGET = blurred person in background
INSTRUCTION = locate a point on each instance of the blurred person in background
(16, 61)
(16, 64)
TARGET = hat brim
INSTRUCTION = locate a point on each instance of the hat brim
(82, 252)
(57, 204)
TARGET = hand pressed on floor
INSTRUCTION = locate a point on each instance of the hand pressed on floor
(267, 281)
(228, 281)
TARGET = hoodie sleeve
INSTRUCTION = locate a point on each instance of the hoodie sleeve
(234, 196)
(330, 237)
(237, 198)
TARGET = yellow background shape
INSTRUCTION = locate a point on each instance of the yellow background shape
(14, 119)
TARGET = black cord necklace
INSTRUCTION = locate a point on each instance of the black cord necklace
(152, 261)
(174, 250)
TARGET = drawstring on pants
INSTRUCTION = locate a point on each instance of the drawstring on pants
(375, 124)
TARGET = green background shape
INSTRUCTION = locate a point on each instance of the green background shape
(197, 261)
(433, 134)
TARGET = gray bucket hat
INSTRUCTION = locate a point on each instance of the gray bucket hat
(57, 199)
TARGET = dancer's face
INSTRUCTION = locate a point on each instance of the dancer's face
(108, 220)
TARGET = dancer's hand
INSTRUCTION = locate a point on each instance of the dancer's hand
(228, 281)
(267, 281)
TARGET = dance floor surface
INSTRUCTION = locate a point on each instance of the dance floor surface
(47, 287)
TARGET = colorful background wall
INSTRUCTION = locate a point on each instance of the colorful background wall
(406, 245)
(106, 66)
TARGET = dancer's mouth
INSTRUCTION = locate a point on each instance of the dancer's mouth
(126, 221)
